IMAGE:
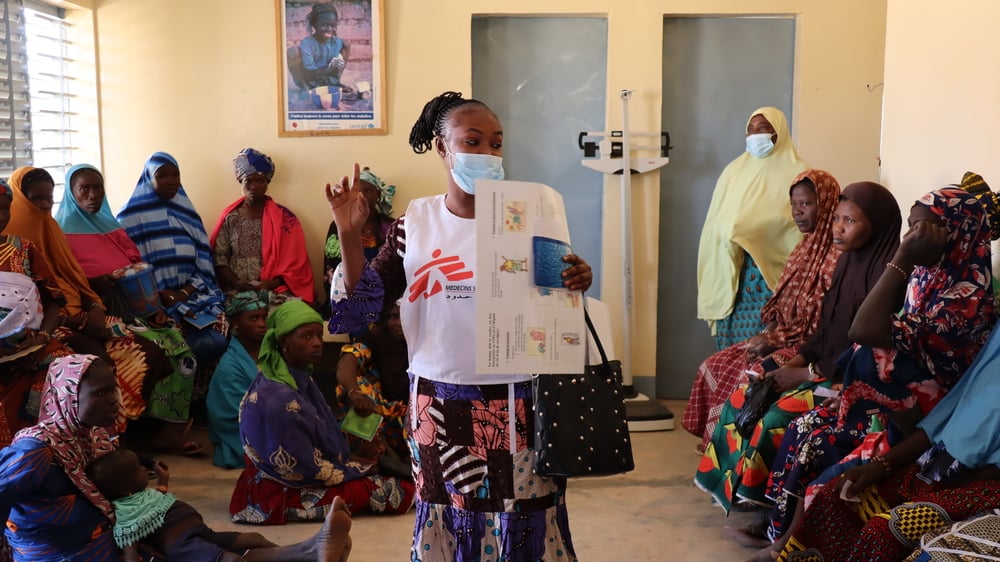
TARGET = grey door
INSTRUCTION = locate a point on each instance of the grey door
(716, 70)
(546, 78)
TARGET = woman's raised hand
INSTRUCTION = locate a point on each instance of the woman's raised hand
(348, 204)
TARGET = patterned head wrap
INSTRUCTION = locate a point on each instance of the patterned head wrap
(386, 192)
(949, 308)
(977, 186)
(245, 301)
(5, 189)
(797, 303)
(284, 320)
(250, 161)
(73, 444)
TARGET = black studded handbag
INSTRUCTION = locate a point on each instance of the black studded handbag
(580, 423)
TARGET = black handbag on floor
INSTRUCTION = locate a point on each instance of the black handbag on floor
(580, 423)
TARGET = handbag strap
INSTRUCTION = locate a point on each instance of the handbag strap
(597, 340)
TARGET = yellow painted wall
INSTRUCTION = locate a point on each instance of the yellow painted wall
(198, 79)
(942, 95)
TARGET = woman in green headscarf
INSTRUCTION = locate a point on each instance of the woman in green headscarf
(291, 435)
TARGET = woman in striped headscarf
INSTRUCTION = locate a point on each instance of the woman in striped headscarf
(258, 244)
(163, 223)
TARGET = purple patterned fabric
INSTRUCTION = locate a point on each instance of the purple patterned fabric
(292, 435)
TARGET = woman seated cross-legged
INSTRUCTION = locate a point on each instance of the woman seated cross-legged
(372, 379)
(298, 459)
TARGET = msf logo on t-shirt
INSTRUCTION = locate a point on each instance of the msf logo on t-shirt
(439, 274)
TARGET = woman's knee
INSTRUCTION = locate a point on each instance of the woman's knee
(207, 345)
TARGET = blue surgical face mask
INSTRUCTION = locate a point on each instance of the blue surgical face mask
(760, 144)
(466, 168)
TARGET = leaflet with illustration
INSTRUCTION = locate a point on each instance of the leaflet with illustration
(526, 322)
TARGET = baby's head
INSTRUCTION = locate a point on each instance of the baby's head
(118, 474)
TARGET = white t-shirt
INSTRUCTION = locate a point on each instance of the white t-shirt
(438, 308)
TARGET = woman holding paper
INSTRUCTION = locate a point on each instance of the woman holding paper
(470, 433)
(298, 461)
(372, 379)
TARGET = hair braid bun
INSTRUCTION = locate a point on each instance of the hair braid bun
(432, 119)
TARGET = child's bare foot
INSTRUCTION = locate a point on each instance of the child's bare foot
(333, 542)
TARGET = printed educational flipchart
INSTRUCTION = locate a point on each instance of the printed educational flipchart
(526, 322)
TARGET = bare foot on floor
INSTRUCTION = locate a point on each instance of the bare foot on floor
(333, 542)
(744, 537)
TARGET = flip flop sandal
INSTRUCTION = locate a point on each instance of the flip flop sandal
(192, 449)
(909, 522)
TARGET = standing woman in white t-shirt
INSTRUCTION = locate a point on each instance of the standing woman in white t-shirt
(477, 496)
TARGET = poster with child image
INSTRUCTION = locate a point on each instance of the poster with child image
(331, 72)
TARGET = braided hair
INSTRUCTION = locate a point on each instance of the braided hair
(320, 9)
(433, 118)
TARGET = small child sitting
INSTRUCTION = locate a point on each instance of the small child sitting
(176, 529)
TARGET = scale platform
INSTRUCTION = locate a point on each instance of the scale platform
(644, 414)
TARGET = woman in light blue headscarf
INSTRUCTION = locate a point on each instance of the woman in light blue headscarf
(171, 237)
(101, 246)
(95, 236)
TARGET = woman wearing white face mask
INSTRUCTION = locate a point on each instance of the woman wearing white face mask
(473, 471)
(748, 233)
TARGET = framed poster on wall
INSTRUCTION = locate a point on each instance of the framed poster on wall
(331, 67)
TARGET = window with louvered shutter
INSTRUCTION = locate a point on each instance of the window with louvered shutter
(48, 91)
(15, 116)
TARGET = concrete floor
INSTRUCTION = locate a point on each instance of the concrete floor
(654, 513)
